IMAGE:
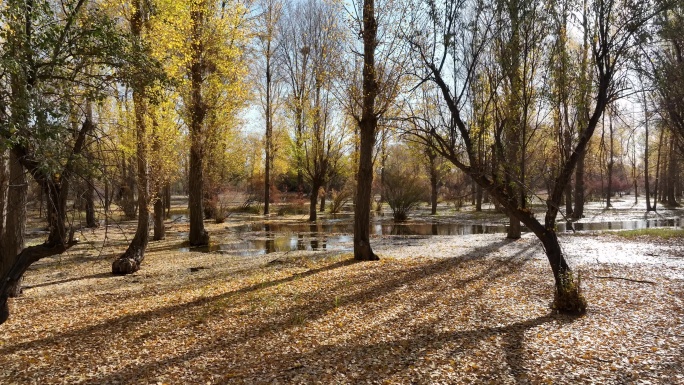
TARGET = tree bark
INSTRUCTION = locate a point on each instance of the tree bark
(91, 222)
(672, 173)
(433, 190)
(367, 130)
(15, 225)
(609, 188)
(127, 189)
(4, 185)
(647, 187)
(198, 235)
(313, 199)
(167, 200)
(159, 231)
(133, 257)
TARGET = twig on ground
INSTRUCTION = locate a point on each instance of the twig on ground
(625, 279)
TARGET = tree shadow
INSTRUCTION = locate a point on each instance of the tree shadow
(286, 316)
(92, 276)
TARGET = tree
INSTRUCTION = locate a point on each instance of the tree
(616, 27)
(130, 261)
(380, 84)
(54, 51)
(268, 36)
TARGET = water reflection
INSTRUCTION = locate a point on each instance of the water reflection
(260, 238)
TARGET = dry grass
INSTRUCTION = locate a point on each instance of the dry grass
(321, 318)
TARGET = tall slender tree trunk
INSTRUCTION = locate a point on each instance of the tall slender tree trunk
(609, 187)
(583, 112)
(167, 199)
(89, 199)
(198, 235)
(479, 197)
(91, 222)
(658, 178)
(647, 187)
(672, 173)
(368, 124)
(433, 188)
(269, 132)
(128, 187)
(134, 255)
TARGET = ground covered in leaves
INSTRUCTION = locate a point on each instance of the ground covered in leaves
(319, 317)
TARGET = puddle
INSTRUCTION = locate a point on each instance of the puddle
(260, 238)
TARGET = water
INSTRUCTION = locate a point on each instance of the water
(260, 238)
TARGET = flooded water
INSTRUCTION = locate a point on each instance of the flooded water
(260, 238)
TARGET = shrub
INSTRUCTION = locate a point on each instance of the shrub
(403, 189)
(339, 199)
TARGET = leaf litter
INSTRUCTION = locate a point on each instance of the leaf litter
(475, 316)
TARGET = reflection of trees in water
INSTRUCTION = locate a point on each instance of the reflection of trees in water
(270, 241)
(314, 229)
(300, 242)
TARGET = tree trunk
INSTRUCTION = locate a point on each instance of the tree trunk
(159, 231)
(514, 228)
(433, 190)
(15, 225)
(368, 124)
(672, 173)
(609, 188)
(128, 187)
(4, 185)
(269, 131)
(133, 257)
(167, 200)
(323, 196)
(578, 213)
(198, 235)
(313, 199)
(91, 222)
(362, 209)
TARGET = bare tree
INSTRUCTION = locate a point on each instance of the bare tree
(368, 104)
(451, 68)
(268, 35)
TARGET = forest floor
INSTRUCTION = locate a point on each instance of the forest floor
(435, 309)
